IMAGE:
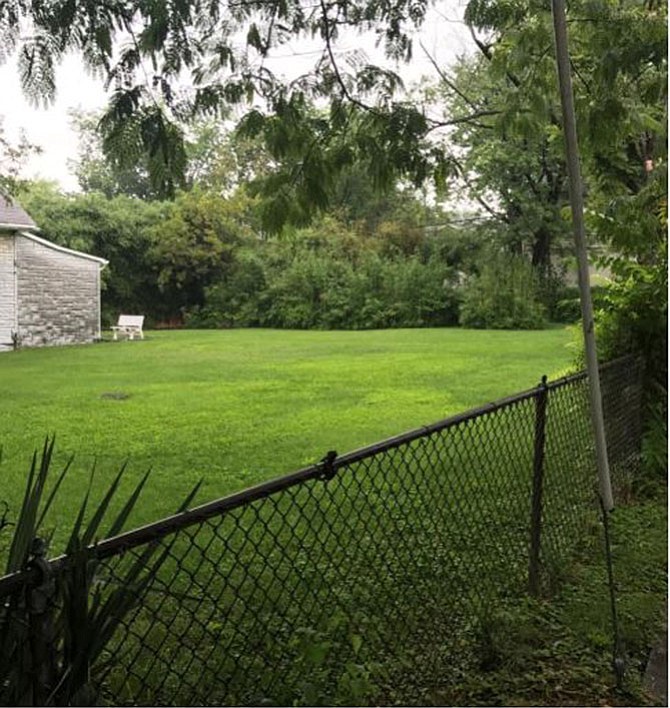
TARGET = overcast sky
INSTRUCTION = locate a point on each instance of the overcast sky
(444, 35)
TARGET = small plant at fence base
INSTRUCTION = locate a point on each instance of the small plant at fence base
(55, 627)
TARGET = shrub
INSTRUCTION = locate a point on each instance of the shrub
(503, 296)
(634, 314)
(234, 301)
(303, 285)
(85, 613)
(567, 309)
(634, 318)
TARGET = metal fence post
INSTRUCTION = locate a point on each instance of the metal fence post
(538, 475)
(41, 627)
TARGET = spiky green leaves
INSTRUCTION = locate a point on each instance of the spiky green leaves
(85, 616)
(34, 507)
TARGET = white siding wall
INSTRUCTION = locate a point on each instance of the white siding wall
(7, 290)
(58, 295)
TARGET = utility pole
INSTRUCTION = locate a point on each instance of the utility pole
(577, 208)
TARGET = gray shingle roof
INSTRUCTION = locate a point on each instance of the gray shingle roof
(13, 216)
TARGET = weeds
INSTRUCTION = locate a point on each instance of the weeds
(537, 652)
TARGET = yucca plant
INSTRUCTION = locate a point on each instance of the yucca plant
(82, 618)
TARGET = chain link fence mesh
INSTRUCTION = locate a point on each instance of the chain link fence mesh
(363, 579)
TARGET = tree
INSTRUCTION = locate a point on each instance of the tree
(367, 121)
(619, 59)
(510, 163)
(13, 157)
(96, 173)
(198, 38)
(217, 159)
(222, 160)
(195, 245)
(510, 156)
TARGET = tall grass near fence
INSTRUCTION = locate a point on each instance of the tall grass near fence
(368, 577)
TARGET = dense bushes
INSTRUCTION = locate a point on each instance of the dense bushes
(633, 315)
(302, 283)
(203, 261)
(634, 318)
(503, 296)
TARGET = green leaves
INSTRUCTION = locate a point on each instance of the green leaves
(495, 14)
(254, 39)
(177, 38)
(505, 101)
(503, 296)
(33, 509)
(312, 149)
(132, 132)
(86, 617)
(37, 60)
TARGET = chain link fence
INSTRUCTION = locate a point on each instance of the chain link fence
(366, 578)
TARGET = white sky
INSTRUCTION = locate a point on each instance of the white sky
(443, 34)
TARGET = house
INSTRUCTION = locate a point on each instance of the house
(48, 294)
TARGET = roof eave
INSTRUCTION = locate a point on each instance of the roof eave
(18, 227)
(70, 251)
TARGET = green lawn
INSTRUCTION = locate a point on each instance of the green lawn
(240, 406)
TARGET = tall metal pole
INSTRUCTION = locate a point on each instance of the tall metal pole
(577, 208)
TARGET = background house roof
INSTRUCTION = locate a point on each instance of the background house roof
(12, 216)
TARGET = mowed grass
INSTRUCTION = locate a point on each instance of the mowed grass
(240, 406)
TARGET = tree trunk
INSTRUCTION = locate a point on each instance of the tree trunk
(541, 258)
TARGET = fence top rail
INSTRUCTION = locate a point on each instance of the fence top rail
(581, 375)
(324, 469)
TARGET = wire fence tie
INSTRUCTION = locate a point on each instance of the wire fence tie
(328, 469)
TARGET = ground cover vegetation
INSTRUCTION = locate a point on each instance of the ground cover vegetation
(530, 649)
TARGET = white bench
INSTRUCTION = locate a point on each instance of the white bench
(130, 325)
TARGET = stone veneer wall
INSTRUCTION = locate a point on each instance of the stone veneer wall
(58, 295)
(7, 290)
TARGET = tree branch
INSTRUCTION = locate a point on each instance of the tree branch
(446, 80)
(333, 62)
(485, 49)
(463, 119)
(578, 74)
(479, 199)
